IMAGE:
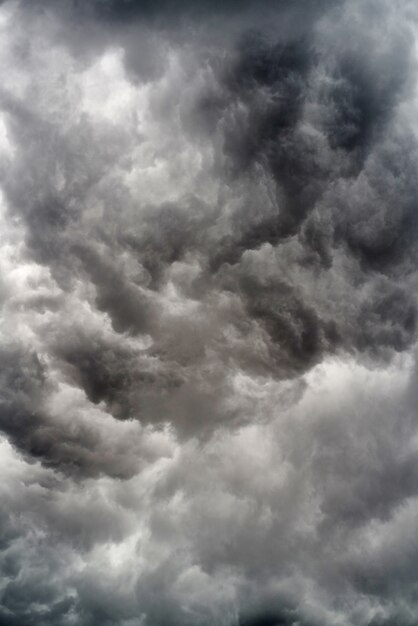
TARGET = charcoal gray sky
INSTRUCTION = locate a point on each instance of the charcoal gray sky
(208, 291)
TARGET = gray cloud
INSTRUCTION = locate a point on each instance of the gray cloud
(208, 313)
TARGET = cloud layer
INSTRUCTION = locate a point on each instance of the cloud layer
(208, 286)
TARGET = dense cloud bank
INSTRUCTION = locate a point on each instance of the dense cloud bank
(208, 287)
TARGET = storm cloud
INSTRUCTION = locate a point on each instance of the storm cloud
(208, 327)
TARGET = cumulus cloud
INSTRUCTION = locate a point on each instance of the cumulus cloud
(208, 313)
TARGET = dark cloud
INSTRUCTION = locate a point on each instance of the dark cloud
(307, 149)
(78, 445)
(208, 313)
(268, 618)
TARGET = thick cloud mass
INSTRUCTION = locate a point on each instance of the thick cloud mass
(208, 327)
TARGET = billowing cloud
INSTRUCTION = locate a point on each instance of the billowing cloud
(208, 318)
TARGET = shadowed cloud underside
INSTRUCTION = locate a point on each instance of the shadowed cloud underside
(208, 279)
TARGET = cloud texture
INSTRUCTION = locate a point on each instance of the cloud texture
(208, 291)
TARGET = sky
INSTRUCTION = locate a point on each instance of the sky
(208, 313)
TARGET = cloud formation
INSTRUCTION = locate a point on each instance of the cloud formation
(208, 313)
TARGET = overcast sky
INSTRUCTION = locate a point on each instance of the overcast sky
(208, 292)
